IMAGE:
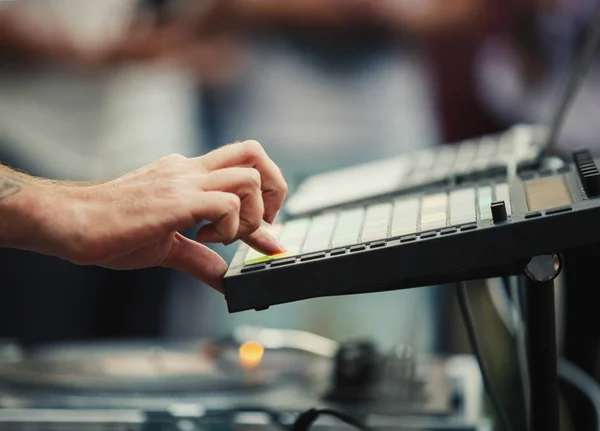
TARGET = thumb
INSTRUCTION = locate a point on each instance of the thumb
(198, 261)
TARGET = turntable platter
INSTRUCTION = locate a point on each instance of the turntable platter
(210, 375)
(200, 367)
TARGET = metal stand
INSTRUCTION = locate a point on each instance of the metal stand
(582, 325)
(541, 341)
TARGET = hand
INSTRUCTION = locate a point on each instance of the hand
(133, 221)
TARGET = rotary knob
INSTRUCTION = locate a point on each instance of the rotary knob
(588, 172)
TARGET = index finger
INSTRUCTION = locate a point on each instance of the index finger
(251, 154)
(263, 241)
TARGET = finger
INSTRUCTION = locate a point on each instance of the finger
(221, 209)
(263, 241)
(245, 183)
(251, 154)
(198, 261)
(209, 234)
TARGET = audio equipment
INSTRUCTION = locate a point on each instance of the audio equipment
(474, 230)
(501, 154)
(233, 384)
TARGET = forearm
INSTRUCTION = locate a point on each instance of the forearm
(440, 19)
(266, 13)
(18, 211)
(261, 15)
(14, 37)
(26, 204)
(19, 37)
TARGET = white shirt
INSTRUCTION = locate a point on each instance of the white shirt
(86, 126)
(311, 120)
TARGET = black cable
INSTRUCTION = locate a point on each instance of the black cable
(303, 422)
(575, 80)
(274, 415)
(306, 419)
(514, 299)
(467, 314)
(584, 383)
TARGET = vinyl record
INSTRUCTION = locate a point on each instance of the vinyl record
(128, 374)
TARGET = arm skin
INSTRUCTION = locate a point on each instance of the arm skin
(177, 42)
(261, 15)
(24, 41)
(18, 37)
(438, 18)
(132, 222)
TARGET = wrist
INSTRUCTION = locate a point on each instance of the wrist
(19, 210)
(49, 217)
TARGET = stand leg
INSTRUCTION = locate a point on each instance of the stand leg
(541, 340)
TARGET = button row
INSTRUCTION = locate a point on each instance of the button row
(404, 216)
(452, 160)
(284, 259)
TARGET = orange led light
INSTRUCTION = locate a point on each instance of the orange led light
(251, 353)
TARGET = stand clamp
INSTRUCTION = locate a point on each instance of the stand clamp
(540, 318)
(543, 268)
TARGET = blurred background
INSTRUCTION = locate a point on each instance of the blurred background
(89, 90)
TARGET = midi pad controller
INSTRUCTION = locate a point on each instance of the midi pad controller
(482, 157)
(437, 236)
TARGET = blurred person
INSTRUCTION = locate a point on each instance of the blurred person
(331, 71)
(450, 35)
(524, 66)
(444, 36)
(88, 91)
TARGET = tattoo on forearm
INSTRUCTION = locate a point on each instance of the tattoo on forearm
(8, 187)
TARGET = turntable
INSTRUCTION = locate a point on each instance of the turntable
(154, 376)
(232, 382)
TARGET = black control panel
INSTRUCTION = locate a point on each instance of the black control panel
(442, 235)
